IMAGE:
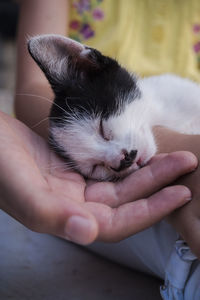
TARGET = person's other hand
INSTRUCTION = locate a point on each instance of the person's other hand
(186, 220)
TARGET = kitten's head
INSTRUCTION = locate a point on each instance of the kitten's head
(96, 119)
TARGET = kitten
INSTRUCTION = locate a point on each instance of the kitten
(102, 116)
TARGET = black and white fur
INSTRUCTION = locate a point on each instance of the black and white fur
(102, 116)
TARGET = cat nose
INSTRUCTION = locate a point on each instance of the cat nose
(127, 161)
(129, 157)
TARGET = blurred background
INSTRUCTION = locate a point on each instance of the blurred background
(8, 27)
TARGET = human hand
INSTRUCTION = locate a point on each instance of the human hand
(186, 220)
(41, 195)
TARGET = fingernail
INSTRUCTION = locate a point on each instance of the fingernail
(78, 229)
(188, 199)
(188, 194)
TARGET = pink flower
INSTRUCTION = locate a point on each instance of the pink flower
(82, 6)
(196, 47)
(98, 14)
(86, 31)
(74, 24)
(196, 28)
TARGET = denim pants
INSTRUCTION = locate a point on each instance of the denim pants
(159, 251)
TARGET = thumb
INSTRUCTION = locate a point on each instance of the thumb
(81, 229)
(62, 217)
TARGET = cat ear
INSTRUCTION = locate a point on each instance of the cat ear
(62, 58)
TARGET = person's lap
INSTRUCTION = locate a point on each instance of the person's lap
(157, 251)
(39, 266)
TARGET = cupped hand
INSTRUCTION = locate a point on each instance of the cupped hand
(37, 190)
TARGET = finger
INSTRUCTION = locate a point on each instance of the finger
(156, 175)
(105, 192)
(130, 218)
(143, 182)
(61, 217)
(157, 157)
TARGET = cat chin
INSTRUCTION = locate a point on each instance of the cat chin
(106, 174)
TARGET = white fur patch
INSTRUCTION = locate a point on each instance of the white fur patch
(94, 155)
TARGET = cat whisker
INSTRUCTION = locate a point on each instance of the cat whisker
(41, 97)
(43, 120)
(64, 167)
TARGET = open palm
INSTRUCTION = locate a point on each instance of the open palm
(36, 189)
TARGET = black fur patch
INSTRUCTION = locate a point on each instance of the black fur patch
(98, 86)
(85, 82)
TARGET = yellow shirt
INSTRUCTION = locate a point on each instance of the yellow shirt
(147, 36)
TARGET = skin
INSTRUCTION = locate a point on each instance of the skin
(38, 192)
(187, 219)
(36, 17)
(46, 199)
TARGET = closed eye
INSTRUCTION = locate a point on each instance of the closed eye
(102, 132)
